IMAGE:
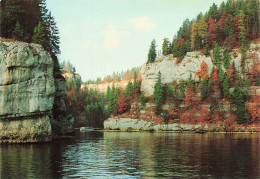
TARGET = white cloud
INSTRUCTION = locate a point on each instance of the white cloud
(141, 24)
(112, 36)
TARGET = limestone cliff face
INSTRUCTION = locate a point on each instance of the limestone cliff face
(32, 93)
(102, 88)
(170, 71)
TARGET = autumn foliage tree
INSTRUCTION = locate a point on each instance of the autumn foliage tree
(212, 32)
(203, 72)
(253, 108)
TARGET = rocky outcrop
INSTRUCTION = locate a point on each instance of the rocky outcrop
(102, 88)
(171, 71)
(128, 124)
(32, 93)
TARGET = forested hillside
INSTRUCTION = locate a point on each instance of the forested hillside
(29, 21)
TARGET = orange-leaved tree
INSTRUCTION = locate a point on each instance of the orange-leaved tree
(203, 72)
(254, 69)
(253, 108)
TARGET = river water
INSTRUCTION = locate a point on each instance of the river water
(135, 155)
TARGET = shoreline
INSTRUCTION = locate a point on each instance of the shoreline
(216, 132)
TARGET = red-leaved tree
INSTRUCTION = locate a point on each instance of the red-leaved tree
(203, 72)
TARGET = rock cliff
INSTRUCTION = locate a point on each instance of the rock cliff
(102, 88)
(32, 93)
(171, 71)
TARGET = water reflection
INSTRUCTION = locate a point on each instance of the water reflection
(136, 155)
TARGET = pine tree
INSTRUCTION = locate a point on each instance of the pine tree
(188, 47)
(108, 92)
(182, 51)
(152, 52)
(175, 50)
(213, 12)
(204, 88)
(242, 114)
(166, 47)
(17, 31)
(216, 54)
(229, 27)
(158, 94)
(225, 86)
(206, 51)
(226, 58)
(129, 88)
(142, 100)
(39, 35)
(112, 102)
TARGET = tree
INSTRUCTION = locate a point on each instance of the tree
(123, 104)
(242, 115)
(204, 88)
(175, 50)
(225, 86)
(216, 54)
(226, 58)
(39, 35)
(215, 79)
(129, 88)
(158, 94)
(254, 72)
(203, 72)
(152, 52)
(213, 12)
(188, 47)
(229, 26)
(166, 48)
(112, 102)
(253, 108)
(203, 29)
(212, 32)
(142, 100)
(206, 51)
(17, 31)
(194, 30)
(182, 51)
(189, 94)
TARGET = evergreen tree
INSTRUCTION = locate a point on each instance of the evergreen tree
(206, 51)
(242, 115)
(175, 50)
(142, 100)
(216, 54)
(182, 51)
(152, 52)
(226, 58)
(17, 31)
(108, 92)
(226, 86)
(188, 47)
(166, 47)
(204, 88)
(158, 94)
(229, 27)
(129, 88)
(213, 12)
(39, 35)
(112, 102)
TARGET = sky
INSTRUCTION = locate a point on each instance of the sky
(100, 37)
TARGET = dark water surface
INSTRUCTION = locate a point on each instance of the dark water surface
(135, 155)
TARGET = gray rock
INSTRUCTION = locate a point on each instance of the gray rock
(29, 92)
